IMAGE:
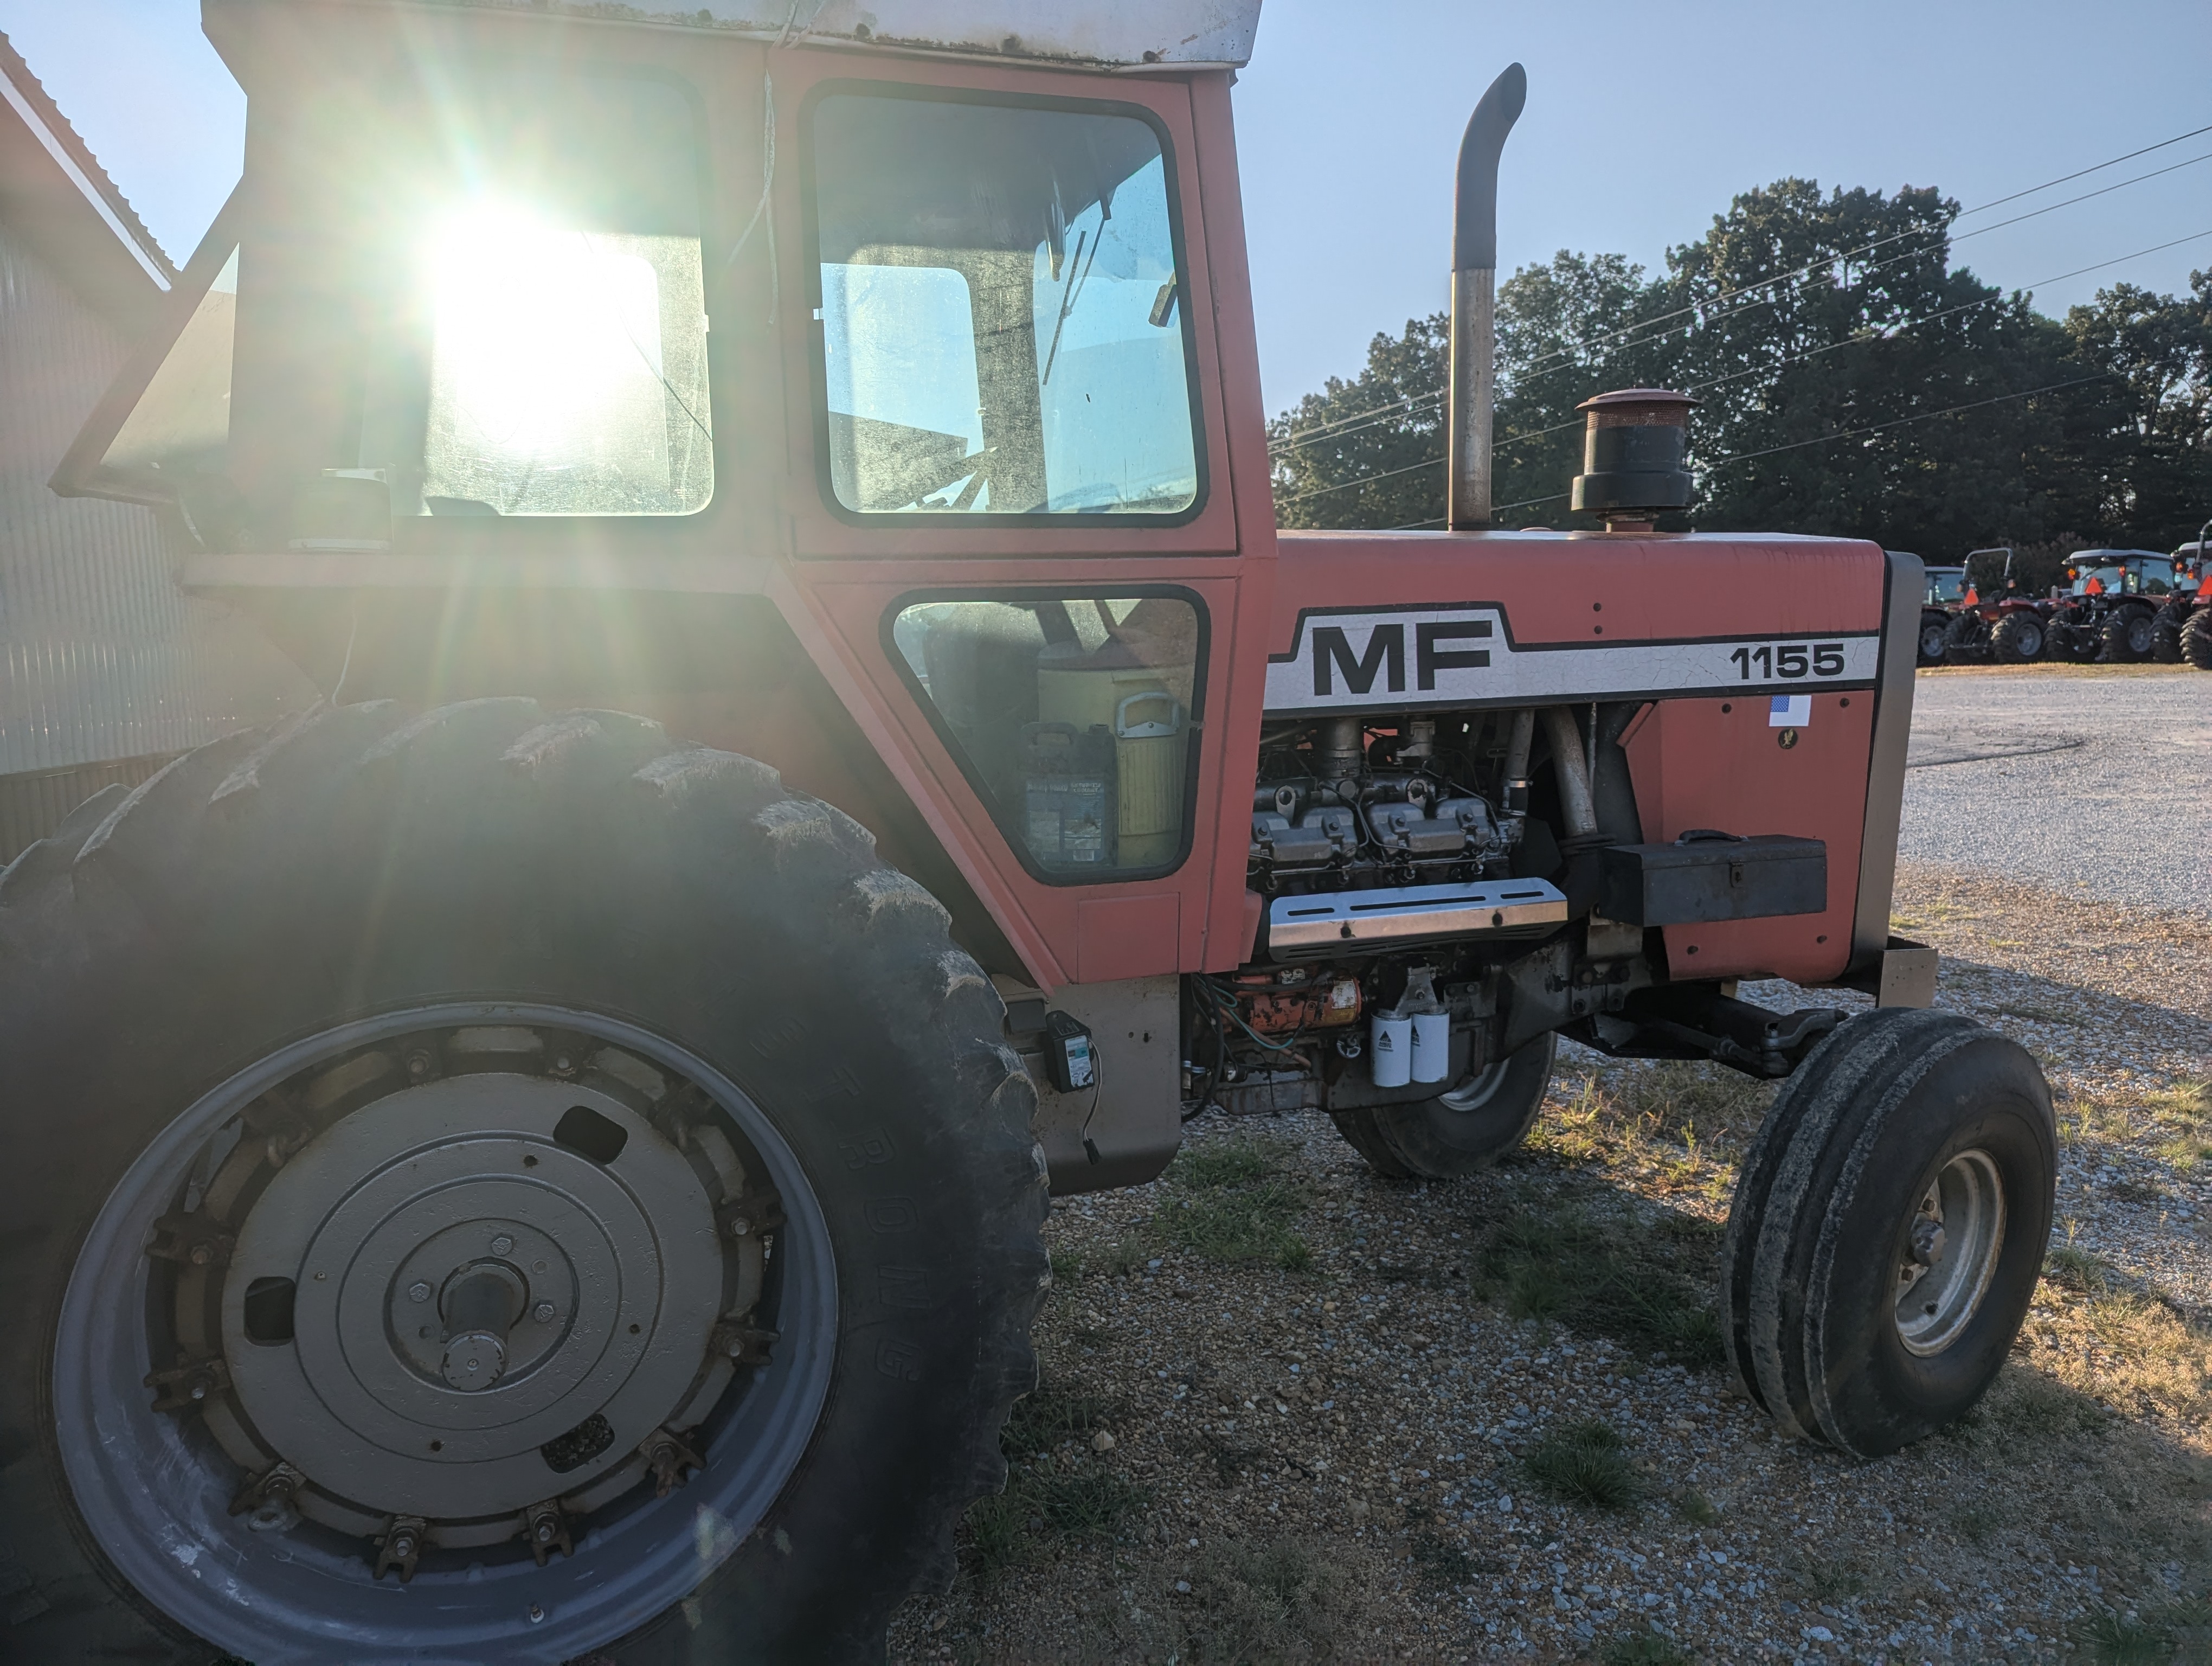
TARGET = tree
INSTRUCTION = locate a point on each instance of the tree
(1851, 382)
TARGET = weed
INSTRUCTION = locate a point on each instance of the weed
(1234, 1163)
(1695, 1508)
(1635, 1288)
(1042, 1502)
(1825, 1581)
(1975, 1522)
(1049, 1415)
(1442, 1562)
(1278, 1601)
(2112, 1641)
(1585, 1463)
(1126, 1256)
(2074, 1268)
(1229, 1205)
(1067, 1266)
(1646, 1648)
(2038, 1409)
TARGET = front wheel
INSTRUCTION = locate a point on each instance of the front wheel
(1934, 629)
(502, 1190)
(1888, 1228)
(1967, 640)
(2129, 634)
(1464, 1129)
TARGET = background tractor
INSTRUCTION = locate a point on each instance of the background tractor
(1996, 619)
(542, 1156)
(2177, 634)
(2110, 612)
(1947, 589)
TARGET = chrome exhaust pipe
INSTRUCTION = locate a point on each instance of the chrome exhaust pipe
(1474, 298)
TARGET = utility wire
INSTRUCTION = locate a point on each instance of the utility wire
(1715, 381)
(1324, 429)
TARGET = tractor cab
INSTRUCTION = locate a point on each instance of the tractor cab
(2120, 572)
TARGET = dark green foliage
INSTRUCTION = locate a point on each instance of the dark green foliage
(1278, 1601)
(1585, 1463)
(1651, 1289)
(1646, 1648)
(1818, 393)
(1228, 1204)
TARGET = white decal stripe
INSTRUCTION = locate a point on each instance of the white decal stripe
(1462, 656)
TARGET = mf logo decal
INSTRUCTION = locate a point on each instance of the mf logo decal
(1465, 656)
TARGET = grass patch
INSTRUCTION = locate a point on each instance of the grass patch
(1067, 1266)
(2111, 1641)
(1126, 1256)
(1050, 1415)
(1975, 1523)
(1585, 1463)
(1230, 1203)
(1637, 1288)
(1695, 1508)
(1679, 1126)
(1278, 1601)
(1646, 1648)
(1441, 1562)
(1827, 1581)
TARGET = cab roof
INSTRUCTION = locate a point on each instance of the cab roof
(1097, 34)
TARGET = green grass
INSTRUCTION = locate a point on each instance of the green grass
(1042, 1504)
(1049, 1415)
(1067, 1266)
(1638, 1290)
(1585, 1463)
(1251, 1603)
(1646, 1648)
(1695, 1508)
(1230, 1204)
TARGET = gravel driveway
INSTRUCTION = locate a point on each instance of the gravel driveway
(2096, 778)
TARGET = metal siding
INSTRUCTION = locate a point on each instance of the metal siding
(102, 657)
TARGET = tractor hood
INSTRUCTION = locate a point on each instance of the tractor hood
(1108, 34)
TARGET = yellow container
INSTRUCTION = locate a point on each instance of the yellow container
(1111, 687)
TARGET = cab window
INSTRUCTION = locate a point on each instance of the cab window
(1002, 327)
(1074, 718)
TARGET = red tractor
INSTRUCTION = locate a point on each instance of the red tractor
(542, 1156)
(2007, 625)
(2112, 610)
(2182, 629)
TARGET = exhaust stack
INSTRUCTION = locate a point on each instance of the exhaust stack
(1474, 298)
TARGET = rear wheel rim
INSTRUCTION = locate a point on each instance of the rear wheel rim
(1950, 1253)
(641, 1363)
(1476, 1091)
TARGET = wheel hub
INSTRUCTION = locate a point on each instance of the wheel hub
(1950, 1253)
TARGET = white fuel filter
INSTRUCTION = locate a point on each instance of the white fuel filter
(1390, 1055)
(1431, 1046)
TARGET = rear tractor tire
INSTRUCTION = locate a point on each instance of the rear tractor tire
(1460, 1131)
(572, 1198)
(1888, 1228)
(2165, 631)
(2196, 639)
(2129, 635)
(2016, 639)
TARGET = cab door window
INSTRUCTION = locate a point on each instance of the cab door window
(1002, 325)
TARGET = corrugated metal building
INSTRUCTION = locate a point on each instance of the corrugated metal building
(105, 668)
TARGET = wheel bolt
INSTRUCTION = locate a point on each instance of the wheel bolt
(542, 1313)
(418, 1291)
(739, 1226)
(502, 1245)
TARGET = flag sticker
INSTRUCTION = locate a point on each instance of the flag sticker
(1790, 711)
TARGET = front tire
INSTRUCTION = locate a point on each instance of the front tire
(1460, 1131)
(1967, 640)
(628, 1007)
(1888, 1228)
(1934, 629)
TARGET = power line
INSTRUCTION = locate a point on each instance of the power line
(1324, 430)
(1715, 381)
(1818, 439)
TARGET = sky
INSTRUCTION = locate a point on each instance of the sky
(1641, 122)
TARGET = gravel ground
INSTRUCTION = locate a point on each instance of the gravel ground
(2095, 779)
(1326, 1438)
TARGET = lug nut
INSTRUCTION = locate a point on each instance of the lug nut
(418, 1291)
(502, 1245)
(542, 1313)
(1927, 1241)
(739, 1226)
